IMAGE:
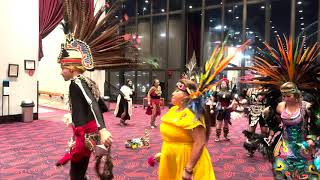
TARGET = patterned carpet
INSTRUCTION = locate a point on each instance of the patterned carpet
(30, 150)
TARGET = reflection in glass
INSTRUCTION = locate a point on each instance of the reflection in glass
(143, 85)
(213, 2)
(233, 1)
(175, 5)
(159, 40)
(172, 81)
(159, 6)
(256, 25)
(130, 8)
(233, 23)
(114, 84)
(306, 14)
(280, 19)
(144, 7)
(212, 33)
(175, 42)
(255, 30)
(194, 34)
(190, 4)
(144, 35)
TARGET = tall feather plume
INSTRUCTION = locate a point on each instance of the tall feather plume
(101, 32)
(290, 62)
(215, 65)
(191, 66)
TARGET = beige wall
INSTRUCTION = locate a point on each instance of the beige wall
(19, 41)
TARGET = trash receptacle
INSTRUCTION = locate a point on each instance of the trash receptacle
(27, 110)
(106, 100)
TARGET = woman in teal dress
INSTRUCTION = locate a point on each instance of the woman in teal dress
(294, 151)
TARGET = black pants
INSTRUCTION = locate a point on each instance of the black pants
(78, 169)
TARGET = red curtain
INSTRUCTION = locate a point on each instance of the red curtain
(50, 15)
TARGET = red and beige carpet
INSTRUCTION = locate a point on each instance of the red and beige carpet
(30, 150)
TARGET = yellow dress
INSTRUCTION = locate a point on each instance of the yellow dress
(177, 145)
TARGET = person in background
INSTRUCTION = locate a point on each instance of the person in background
(154, 95)
(257, 103)
(124, 103)
(225, 104)
(184, 154)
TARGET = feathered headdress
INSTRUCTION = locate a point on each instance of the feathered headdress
(290, 63)
(93, 41)
(191, 70)
(215, 65)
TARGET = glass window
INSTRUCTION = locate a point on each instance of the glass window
(233, 23)
(255, 25)
(144, 35)
(213, 2)
(175, 5)
(193, 3)
(233, 1)
(172, 81)
(193, 35)
(255, 30)
(280, 19)
(143, 84)
(130, 8)
(159, 40)
(114, 84)
(144, 7)
(129, 75)
(212, 33)
(159, 6)
(175, 41)
(306, 14)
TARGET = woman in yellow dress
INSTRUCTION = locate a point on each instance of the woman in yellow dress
(184, 154)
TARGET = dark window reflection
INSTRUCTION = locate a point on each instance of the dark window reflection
(233, 1)
(212, 33)
(159, 6)
(144, 7)
(172, 81)
(255, 30)
(159, 39)
(280, 19)
(213, 2)
(176, 28)
(144, 34)
(256, 25)
(190, 4)
(306, 14)
(130, 8)
(175, 5)
(233, 23)
(194, 32)
(114, 84)
(142, 84)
